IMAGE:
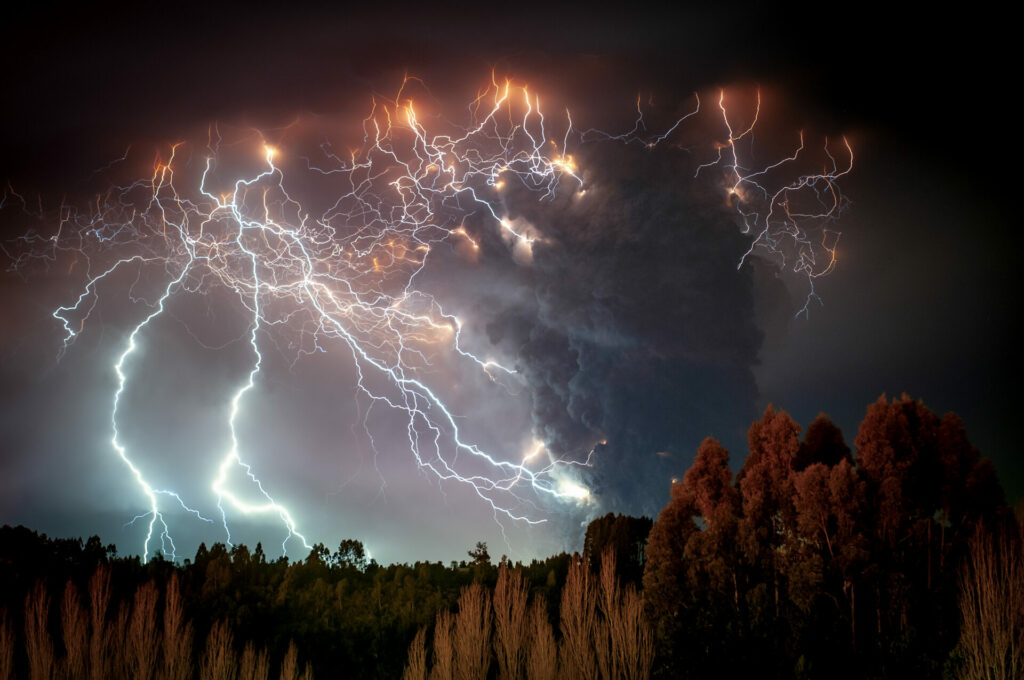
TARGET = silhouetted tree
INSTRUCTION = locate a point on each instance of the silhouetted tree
(823, 443)
(625, 536)
(479, 554)
(350, 555)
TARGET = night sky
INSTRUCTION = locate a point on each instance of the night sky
(630, 324)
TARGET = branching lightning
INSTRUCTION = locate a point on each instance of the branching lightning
(342, 276)
(780, 227)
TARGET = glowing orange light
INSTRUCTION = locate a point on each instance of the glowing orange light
(566, 162)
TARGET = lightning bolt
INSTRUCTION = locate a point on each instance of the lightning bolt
(781, 229)
(343, 276)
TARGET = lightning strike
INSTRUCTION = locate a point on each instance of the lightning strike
(343, 277)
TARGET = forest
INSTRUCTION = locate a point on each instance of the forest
(897, 557)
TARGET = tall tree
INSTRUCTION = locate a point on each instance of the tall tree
(927, 488)
(666, 592)
(766, 491)
(714, 565)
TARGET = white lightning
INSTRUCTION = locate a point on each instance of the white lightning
(345, 277)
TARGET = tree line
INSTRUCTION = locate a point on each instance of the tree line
(338, 610)
(898, 558)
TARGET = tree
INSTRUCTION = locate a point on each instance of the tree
(318, 554)
(765, 481)
(814, 562)
(823, 443)
(479, 555)
(578, 619)
(7, 648)
(666, 595)
(714, 564)
(416, 669)
(829, 504)
(992, 605)
(766, 491)
(625, 536)
(896, 450)
(927, 488)
(350, 555)
(472, 634)
(542, 652)
(509, 623)
(177, 634)
(38, 644)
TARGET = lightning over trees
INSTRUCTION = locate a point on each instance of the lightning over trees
(794, 567)
(324, 251)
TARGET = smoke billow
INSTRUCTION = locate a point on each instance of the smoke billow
(639, 330)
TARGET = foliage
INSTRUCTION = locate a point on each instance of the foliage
(812, 562)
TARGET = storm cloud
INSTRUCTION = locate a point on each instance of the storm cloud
(638, 330)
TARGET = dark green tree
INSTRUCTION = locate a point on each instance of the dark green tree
(350, 555)
(625, 536)
(479, 555)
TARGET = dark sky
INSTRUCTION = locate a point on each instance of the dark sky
(630, 322)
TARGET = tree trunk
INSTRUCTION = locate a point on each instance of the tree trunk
(929, 554)
(853, 617)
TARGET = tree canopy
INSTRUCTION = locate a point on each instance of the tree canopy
(813, 561)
